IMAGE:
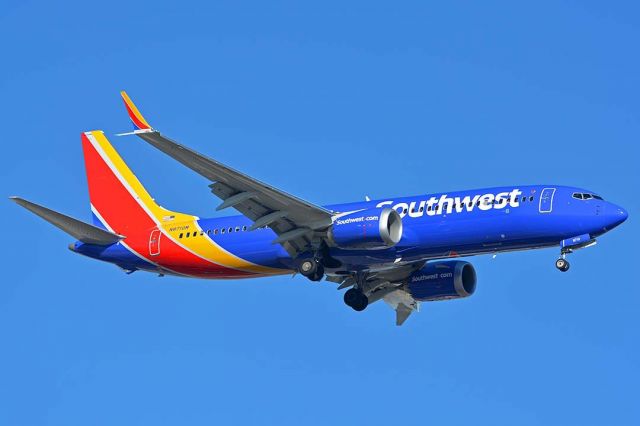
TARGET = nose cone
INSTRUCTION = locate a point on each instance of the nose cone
(615, 215)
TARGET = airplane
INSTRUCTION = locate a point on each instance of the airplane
(402, 250)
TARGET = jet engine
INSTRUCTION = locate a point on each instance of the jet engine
(442, 281)
(369, 229)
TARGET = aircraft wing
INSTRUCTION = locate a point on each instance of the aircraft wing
(295, 221)
(386, 284)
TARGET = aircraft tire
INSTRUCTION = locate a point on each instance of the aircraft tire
(562, 265)
(318, 274)
(355, 299)
(362, 303)
(351, 297)
(308, 268)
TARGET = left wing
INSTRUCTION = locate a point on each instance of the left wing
(298, 223)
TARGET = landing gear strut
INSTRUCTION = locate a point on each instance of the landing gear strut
(562, 264)
(356, 299)
(312, 269)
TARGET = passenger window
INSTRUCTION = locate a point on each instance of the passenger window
(244, 228)
(222, 231)
(237, 229)
(230, 230)
(531, 198)
(180, 236)
(215, 232)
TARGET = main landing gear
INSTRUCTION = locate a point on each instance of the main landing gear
(312, 269)
(562, 264)
(356, 299)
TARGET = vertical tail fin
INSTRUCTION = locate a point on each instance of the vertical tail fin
(119, 202)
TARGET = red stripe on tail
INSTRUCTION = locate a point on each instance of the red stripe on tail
(122, 212)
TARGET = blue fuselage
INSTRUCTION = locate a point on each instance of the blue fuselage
(435, 226)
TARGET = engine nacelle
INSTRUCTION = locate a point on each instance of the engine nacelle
(442, 281)
(369, 229)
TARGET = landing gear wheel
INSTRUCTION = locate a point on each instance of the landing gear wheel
(362, 303)
(562, 264)
(312, 269)
(318, 275)
(351, 297)
(308, 267)
(356, 299)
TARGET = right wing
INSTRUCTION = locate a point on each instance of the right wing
(298, 223)
(386, 284)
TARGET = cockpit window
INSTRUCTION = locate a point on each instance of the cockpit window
(585, 196)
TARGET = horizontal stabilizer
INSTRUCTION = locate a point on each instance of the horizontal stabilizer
(82, 231)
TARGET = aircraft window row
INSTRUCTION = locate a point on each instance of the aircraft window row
(214, 231)
(585, 196)
(461, 205)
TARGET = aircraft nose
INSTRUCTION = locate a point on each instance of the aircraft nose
(616, 215)
(622, 213)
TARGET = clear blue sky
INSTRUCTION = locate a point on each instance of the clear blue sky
(330, 102)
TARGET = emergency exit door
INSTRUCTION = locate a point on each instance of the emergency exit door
(546, 200)
(154, 242)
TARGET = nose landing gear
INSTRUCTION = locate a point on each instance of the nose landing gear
(562, 264)
(569, 245)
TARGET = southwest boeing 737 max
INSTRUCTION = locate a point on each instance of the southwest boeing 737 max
(394, 249)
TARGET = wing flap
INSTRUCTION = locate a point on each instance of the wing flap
(402, 313)
(403, 303)
(387, 284)
(81, 231)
